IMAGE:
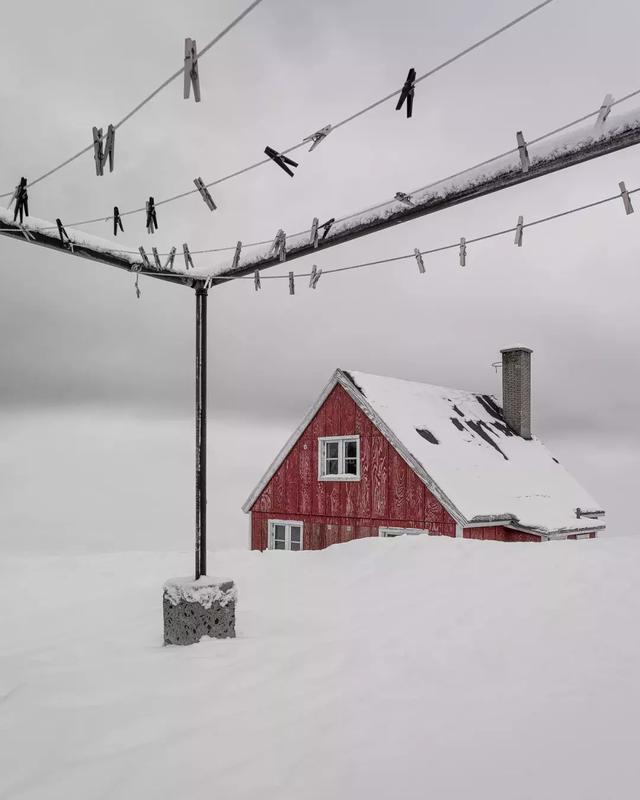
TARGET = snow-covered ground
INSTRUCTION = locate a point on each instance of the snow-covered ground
(384, 668)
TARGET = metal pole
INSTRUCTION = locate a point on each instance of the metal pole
(201, 432)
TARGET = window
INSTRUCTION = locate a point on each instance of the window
(339, 458)
(285, 535)
(387, 532)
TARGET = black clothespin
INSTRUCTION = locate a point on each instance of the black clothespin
(117, 221)
(326, 227)
(280, 160)
(156, 257)
(236, 256)
(256, 280)
(191, 69)
(103, 148)
(64, 235)
(292, 285)
(407, 93)
(137, 287)
(152, 220)
(21, 197)
(172, 255)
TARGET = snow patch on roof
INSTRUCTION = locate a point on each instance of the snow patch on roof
(483, 467)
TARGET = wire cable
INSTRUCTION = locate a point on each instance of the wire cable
(147, 99)
(297, 146)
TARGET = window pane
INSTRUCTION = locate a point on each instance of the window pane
(332, 449)
(295, 545)
(351, 449)
(278, 531)
(295, 534)
(351, 466)
(278, 544)
(331, 467)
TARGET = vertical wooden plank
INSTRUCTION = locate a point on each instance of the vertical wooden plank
(363, 486)
(332, 412)
(397, 471)
(306, 477)
(265, 501)
(279, 496)
(433, 510)
(379, 476)
(414, 496)
(351, 492)
(332, 504)
(347, 424)
(317, 429)
(292, 480)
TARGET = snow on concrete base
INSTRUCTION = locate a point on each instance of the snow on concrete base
(196, 608)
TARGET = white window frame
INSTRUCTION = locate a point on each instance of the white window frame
(287, 533)
(341, 476)
(390, 532)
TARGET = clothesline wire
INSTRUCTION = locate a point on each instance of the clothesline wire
(291, 149)
(147, 99)
(432, 250)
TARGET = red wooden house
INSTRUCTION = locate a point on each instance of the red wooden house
(379, 456)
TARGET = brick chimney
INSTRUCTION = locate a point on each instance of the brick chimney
(516, 389)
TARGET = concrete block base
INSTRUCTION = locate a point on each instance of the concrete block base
(196, 608)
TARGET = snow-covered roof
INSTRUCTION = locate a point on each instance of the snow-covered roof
(463, 444)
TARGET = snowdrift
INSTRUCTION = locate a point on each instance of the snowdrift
(389, 668)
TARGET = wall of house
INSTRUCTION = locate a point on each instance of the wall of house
(388, 494)
(499, 533)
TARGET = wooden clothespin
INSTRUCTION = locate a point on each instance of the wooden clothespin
(280, 160)
(236, 256)
(205, 194)
(626, 199)
(104, 148)
(318, 137)
(279, 246)
(137, 287)
(191, 76)
(313, 239)
(144, 257)
(605, 110)
(524, 153)
(326, 227)
(208, 283)
(117, 221)
(64, 236)
(463, 251)
(152, 219)
(27, 235)
(256, 279)
(109, 148)
(98, 154)
(188, 262)
(21, 197)
(156, 258)
(404, 198)
(292, 286)
(418, 256)
(407, 93)
(170, 259)
(519, 228)
(315, 277)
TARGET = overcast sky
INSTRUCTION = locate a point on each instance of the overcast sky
(75, 340)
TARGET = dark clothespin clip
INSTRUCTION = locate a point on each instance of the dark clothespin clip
(188, 262)
(279, 246)
(318, 137)
(104, 148)
(315, 277)
(326, 227)
(418, 256)
(463, 251)
(145, 259)
(280, 160)
(403, 197)
(236, 256)
(191, 76)
(626, 199)
(156, 258)
(519, 229)
(172, 255)
(313, 239)
(605, 110)
(407, 93)
(21, 197)
(64, 236)
(137, 287)
(117, 221)
(256, 280)
(292, 286)
(27, 235)
(152, 219)
(208, 283)
(524, 153)
(205, 194)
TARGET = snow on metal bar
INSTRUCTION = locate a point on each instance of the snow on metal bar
(83, 245)
(552, 154)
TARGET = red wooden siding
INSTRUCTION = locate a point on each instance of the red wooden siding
(499, 533)
(388, 494)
